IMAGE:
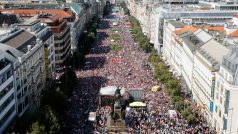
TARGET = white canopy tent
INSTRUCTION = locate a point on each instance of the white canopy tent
(172, 114)
(137, 104)
(92, 116)
(110, 90)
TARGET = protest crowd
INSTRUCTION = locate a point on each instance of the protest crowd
(126, 68)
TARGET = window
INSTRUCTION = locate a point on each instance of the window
(216, 109)
(6, 103)
(219, 113)
(218, 85)
(20, 108)
(1, 80)
(220, 100)
(222, 88)
(6, 90)
(217, 96)
(6, 116)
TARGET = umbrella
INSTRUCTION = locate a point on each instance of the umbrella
(137, 104)
(155, 88)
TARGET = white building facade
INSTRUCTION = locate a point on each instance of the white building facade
(29, 68)
(226, 94)
(197, 56)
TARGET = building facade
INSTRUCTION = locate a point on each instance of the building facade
(62, 23)
(225, 95)
(29, 66)
(7, 94)
(43, 32)
(206, 59)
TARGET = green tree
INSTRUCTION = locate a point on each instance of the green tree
(191, 119)
(55, 99)
(153, 58)
(176, 99)
(25, 121)
(36, 128)
(68, 81)
(51, 121)
(164, 77)
(185, 113)
(78, 59)
(181, 105)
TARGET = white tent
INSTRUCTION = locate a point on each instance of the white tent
(92, 116)
(110, 90)
(172, 114)
(137, 104)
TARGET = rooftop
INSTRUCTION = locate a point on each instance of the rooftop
(176, 24)
(186, 28)
(232, 56)
(33, 12)
(178, 8)
(20, 40)
(213, 52)
(191, 40)
(223, 34)
(47, 36)
(8, 19)
(35, 6)
(76, 8)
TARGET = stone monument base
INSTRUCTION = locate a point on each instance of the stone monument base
(117, 126)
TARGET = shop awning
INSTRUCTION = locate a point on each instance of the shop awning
(155, 88)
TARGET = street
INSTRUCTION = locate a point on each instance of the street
(126, 68)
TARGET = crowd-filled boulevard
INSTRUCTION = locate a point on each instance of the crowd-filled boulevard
(126, 68)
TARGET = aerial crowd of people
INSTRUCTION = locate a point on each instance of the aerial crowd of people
(126, 68)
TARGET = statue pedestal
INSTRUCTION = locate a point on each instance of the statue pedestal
(117, 114)
(117, 126)
(115, 122)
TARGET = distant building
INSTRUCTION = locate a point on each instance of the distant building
(63, 24)
(189, 15)
(28, 1)
(62, 39)
(151, 15)
(80, 18)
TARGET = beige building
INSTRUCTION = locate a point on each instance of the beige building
(205, 57)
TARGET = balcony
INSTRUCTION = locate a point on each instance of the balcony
(4, 67)
(8, 120)
(59, 35)
(10, 92)
(64, 52)
(9, 80)
(7, 108)
(59, 41)
(4, 63)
